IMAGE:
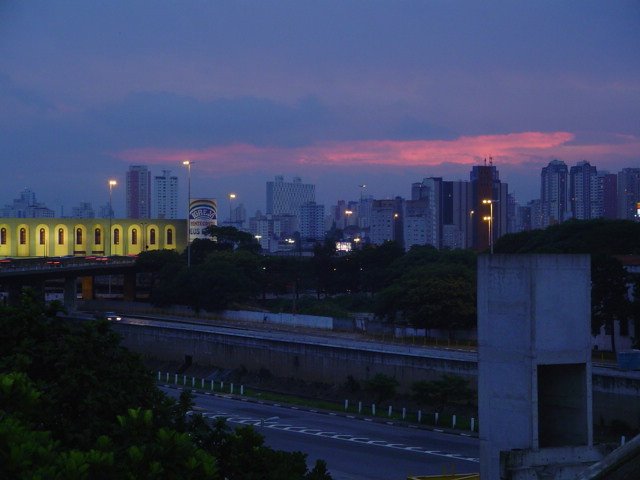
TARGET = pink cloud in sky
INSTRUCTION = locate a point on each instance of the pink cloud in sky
(512, 148)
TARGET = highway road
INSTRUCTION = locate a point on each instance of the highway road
(354, 449)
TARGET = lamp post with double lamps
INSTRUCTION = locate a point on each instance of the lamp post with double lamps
(112, 183)
(490, 220)
(188, 164)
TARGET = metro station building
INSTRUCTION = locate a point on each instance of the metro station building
(59, 237)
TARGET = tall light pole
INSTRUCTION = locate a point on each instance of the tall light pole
(232, 197)
(188, 164)
(490, 220)
(112, 183)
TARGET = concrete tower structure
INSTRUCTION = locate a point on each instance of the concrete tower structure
(534, 366)
(138, 192)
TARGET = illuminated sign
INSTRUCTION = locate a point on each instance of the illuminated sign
(203, 213)
(343, 246)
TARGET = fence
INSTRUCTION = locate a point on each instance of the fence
(437, 420)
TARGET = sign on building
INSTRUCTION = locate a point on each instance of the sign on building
(203, 213)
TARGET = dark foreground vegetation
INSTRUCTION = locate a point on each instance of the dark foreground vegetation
(422, 288)
(74, 404)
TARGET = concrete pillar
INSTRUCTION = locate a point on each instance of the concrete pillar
(534, 355)
(129, 287)
(70, 293)
(88, 291)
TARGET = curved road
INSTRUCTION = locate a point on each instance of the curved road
(353, 449)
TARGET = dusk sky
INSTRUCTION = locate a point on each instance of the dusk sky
(339, 93)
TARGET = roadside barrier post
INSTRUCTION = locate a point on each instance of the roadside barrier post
(159, 375)
(419, 416)
(453, 421)
(231, 389)
(212, 386)
(176, 379)
(436, 417)
(241, 389)
(359, 407)
(373, 409)
(184, 380)
(404, 413)
(390, 408)
(167, 377)
(202, 384)
(473, 424)
(193, 381)
(346, 404)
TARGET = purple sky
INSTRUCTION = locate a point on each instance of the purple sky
(339, 93)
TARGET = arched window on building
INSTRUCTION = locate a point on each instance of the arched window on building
(169, 236)
(23, 236)
(3, 236)
(78, 236)
(61, 236)
(42, 236)
(116, 236)
(134, 236)
(152, 236)
(97, 236)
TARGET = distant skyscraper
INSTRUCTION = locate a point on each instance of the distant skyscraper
(486, 185)
(311, 223)
(628, 193)
(425, 215)
(165, 195)
(582, 190)
(26, 207)
(386, 221)
(553, 192)
(285, 198)
(138, 192)
(84, 210)
(605, 196)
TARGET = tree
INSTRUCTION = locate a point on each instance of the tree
(382, 386)
(448, 391)
(75, 404)
(609, 295)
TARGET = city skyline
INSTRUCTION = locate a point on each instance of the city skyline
(339, 93)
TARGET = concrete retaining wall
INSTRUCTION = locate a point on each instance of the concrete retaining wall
(312, 361)
(616, 394)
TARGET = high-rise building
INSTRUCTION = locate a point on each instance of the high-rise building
(582, 190)
(628, 193)
(386, 221)
(26, 207)
(285, 198)
(489, 205)
(457, 214)
(311, 225)
(138, 192)
(415, 222)
(165, 195)
(605, 196)
(84, 210)
(553, 192)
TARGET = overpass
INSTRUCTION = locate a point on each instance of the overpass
(17, 274)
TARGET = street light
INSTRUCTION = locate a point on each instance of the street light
(188, 164)
(232, 197)
(112, 183)
(490, 220)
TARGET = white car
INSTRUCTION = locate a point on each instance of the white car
(112, 316)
